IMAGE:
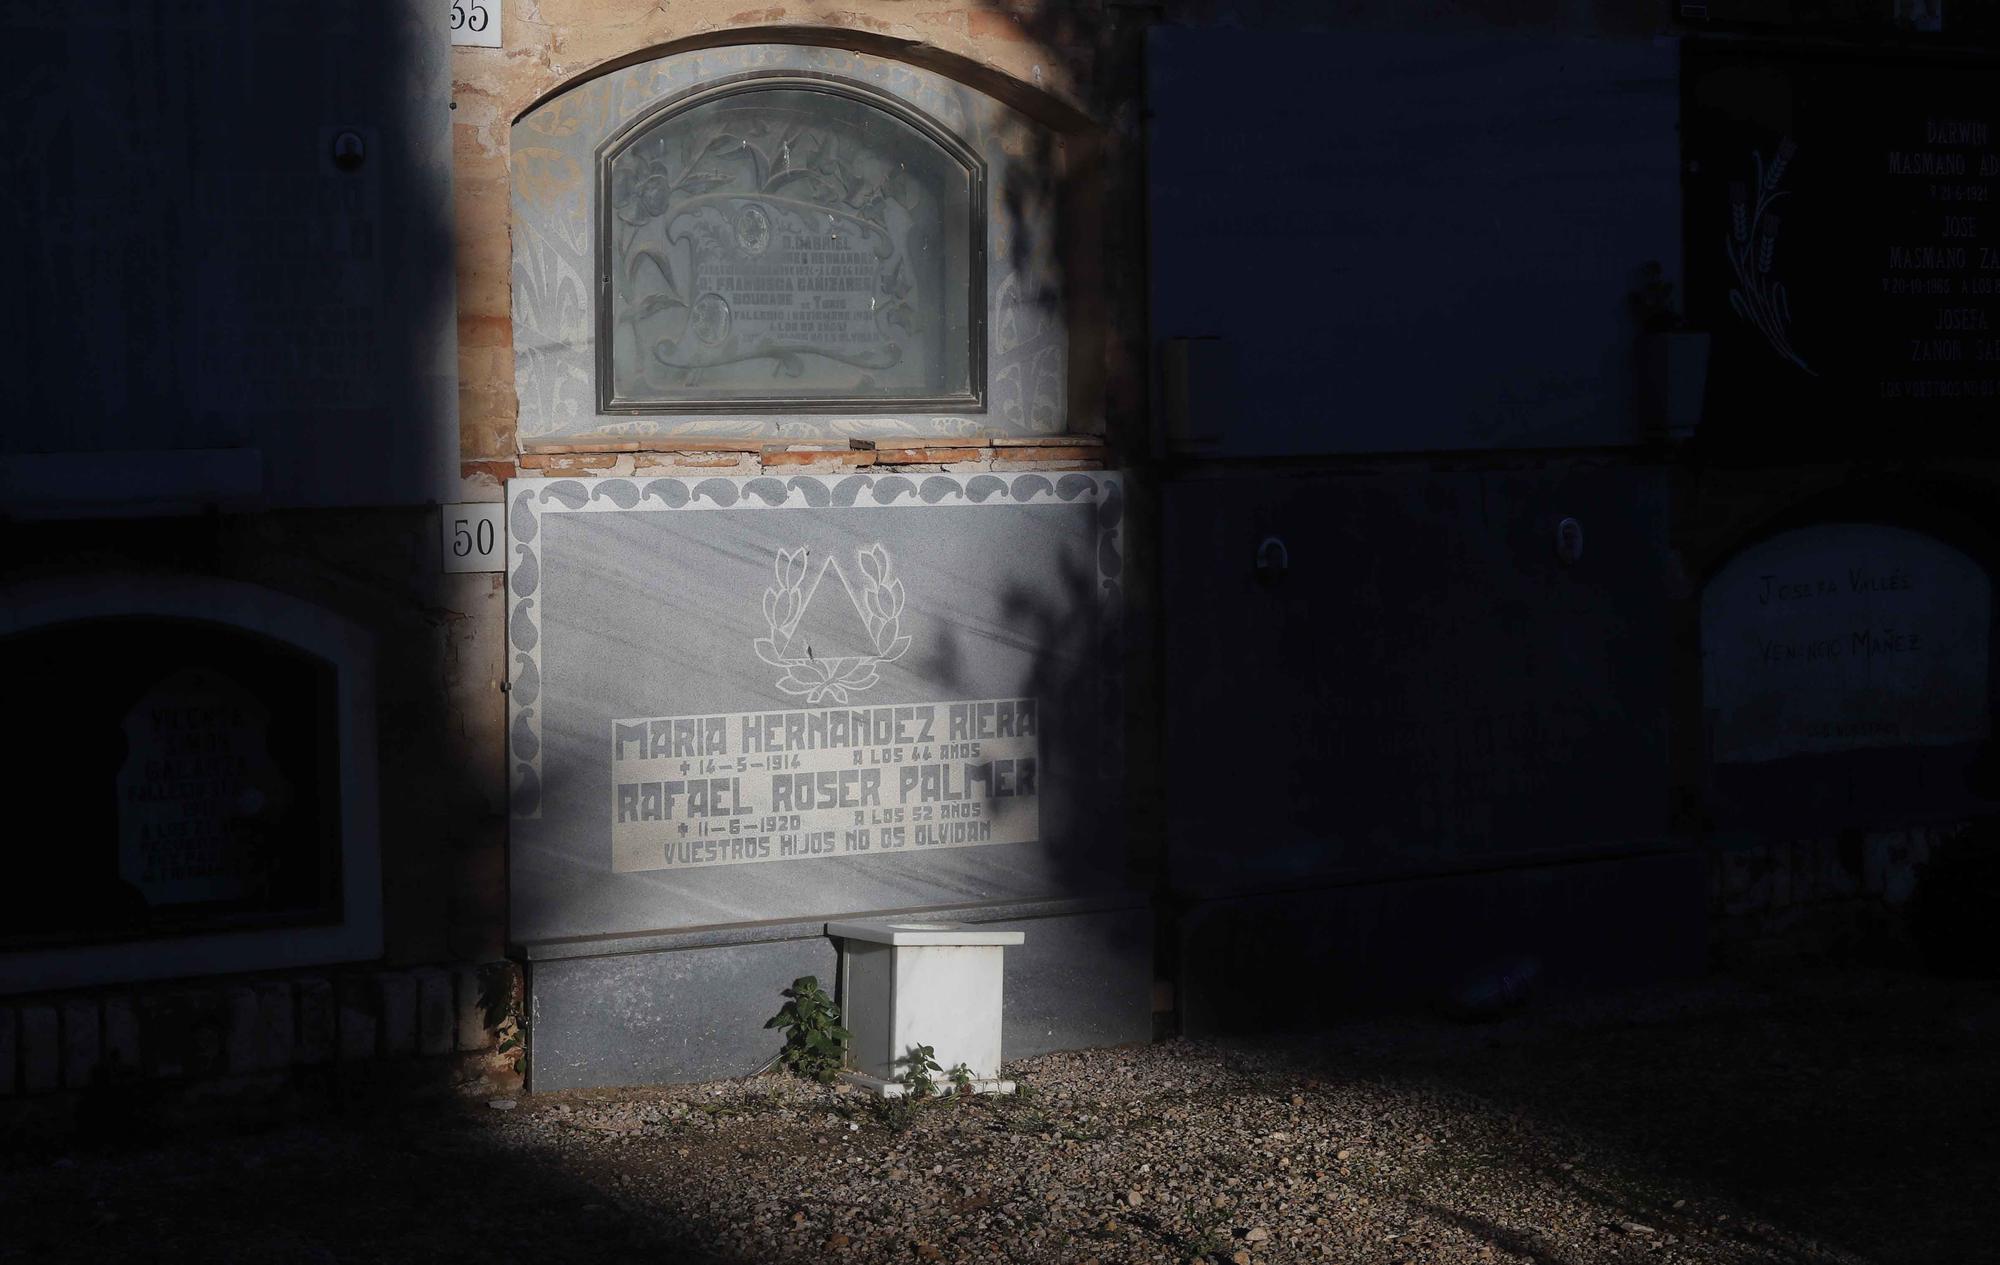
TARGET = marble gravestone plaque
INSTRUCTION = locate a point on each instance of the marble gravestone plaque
(786, 240)
(1845, 637)
(1844, 246)
(739, 700)
(198, 791)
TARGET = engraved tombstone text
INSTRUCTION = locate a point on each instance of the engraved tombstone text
(197, 791)
(1843, 637)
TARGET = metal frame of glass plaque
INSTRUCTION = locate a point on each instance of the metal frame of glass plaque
(972, 295)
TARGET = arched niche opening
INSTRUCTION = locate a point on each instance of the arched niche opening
(1846, 677)
(761, 241)
(203, 751)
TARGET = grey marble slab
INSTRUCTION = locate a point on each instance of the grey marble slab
(1078, 980)
(648, 1018)
(748, 700)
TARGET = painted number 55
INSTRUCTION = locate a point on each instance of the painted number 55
(476, 22)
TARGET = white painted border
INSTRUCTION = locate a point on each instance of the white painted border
(312, 629)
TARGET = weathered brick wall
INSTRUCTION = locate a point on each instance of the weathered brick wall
(205, 1030)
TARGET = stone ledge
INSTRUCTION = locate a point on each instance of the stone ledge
(767, 443)
(799, 459)
(815, 928)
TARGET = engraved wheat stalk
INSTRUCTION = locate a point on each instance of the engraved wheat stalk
(1752, 245)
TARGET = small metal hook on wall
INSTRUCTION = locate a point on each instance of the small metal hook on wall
(1569, 541)
(349, 150)
(1273, 560)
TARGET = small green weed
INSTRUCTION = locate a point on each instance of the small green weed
(500, 1004)
(815, 1043)
(961, 1079)
(1212, 1240)
(895, 1114)
(919, 1065)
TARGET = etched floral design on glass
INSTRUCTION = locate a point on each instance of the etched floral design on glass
(791, 245)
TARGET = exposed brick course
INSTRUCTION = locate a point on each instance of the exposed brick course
(82, 1040)
(276, 1023)
(398, 1011)
(434, 1011)
(41, 1048)
(245, 1042)
(122, 1050)
(358, 1021)
(9, 1051)
(317, 1022)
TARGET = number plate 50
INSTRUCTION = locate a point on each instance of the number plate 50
(472, 536)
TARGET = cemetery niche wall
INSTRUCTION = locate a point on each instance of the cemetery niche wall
(1369, 241)
(1465, 735)
(742, 707)
(1846, 679)
(207, 748)
(784, 240)
(229, 245)
(1843, 247)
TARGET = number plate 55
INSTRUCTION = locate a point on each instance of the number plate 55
(475, 22)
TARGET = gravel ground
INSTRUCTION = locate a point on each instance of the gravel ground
(1837, 1117)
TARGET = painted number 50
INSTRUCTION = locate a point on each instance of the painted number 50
(464, 540)
(470, 534)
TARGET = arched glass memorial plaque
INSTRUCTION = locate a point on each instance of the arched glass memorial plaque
(936, 304)
(789, 241)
